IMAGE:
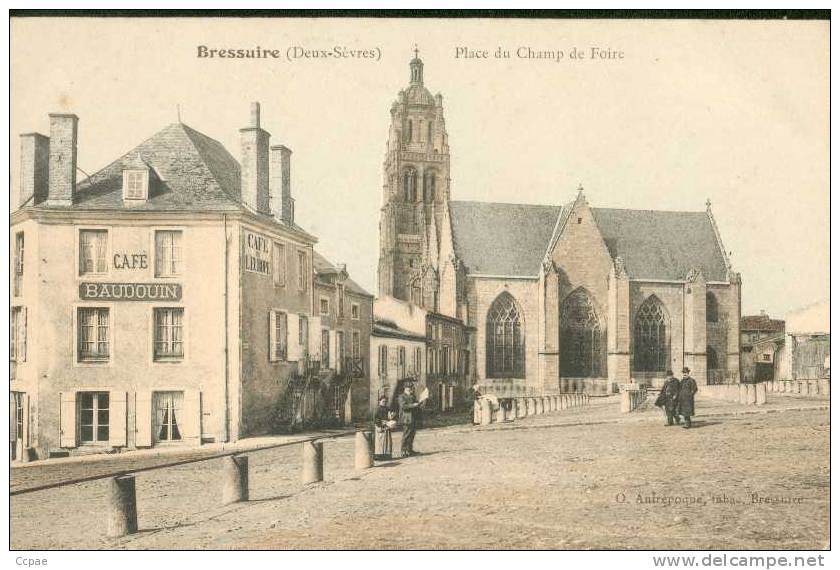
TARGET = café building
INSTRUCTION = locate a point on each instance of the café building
(158, 301)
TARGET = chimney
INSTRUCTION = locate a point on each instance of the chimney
(62, 164)
(34, 169)
(254, 171)
(282, 203)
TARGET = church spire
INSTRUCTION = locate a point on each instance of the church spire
(416, 66)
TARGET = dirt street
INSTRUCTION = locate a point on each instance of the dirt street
(587, 478)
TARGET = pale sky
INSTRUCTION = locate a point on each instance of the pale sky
(737, 112)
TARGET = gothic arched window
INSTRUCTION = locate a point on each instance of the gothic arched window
(711, 359)
(580, 337)
(711, 308)
(652, 346)
(505, 339)
(410, 185)
(429, 181)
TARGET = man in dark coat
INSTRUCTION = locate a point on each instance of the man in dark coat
(667, 399)
(408, 416)
(688, 387)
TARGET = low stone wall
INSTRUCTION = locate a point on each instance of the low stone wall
(496, 410)
(747, 394)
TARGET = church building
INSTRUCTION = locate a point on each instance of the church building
(556, 297)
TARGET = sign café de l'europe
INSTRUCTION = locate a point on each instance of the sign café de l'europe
(95, 291)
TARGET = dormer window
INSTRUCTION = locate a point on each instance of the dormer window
(136, 184)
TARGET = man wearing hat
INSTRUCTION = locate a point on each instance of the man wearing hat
(667, 399)
(409, 410)
(688, 387)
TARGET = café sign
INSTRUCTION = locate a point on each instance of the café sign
(257, 254)
(130, 291)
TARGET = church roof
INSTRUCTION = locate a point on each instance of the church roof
(192, 171)
(511, 239)
(662, 245)
(502, 239)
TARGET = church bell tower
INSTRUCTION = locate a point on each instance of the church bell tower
(415, 193)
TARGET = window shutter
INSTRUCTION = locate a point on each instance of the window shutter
(67, 437)
(12, 418)
(293, 347)
(117, 416)
(191, 424)
(272, 331)
(23, 328)
(25, 420)
(332, 349)
(143, 419)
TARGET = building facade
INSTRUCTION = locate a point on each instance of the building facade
(158, 301)
(762, 340)
(807, 347)
(561, 297)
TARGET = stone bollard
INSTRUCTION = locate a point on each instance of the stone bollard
(234, 479)
(788, 386)
(521, 412)
(313, 462)
(761, 394)
(364, 450)
(825, 387)
(534, 408)
(750, 394)
(558, 402)
(546, 404)
(626, 404)
(122, 506)
(813, 387)
(486, 411)
(540, 406)
(742, 394)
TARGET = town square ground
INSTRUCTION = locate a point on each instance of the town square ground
(587, 478)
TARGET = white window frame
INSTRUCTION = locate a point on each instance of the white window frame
(107, 256)
(96, 361)
(175, 248)
(279, 262)
(131, 182)
(304, 273)
(303, 332)
(170, 357)
(17, 333)
(179, 418)
(355, 311)
(95, 417)
(278, 345)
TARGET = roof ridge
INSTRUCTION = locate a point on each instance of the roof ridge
(651, 210)
(504, 203)
(189, 132)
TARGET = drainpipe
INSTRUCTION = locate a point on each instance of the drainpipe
(227, 355)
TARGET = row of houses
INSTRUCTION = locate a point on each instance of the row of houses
(797, 347)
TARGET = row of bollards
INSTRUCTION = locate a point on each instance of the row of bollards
(509, 409)
(122, 499)
(745, 394)
(820, 387)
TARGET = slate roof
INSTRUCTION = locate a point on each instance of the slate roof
(511, 239)
(762, 323)
(189, 171)
(662, 245)
(502, 239)
(323, 266)
(386, 328)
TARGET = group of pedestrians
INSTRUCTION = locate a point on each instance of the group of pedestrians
(677, 398)
(408, 409)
